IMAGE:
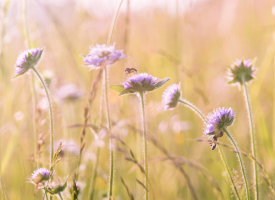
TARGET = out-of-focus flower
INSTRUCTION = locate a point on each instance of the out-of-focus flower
(48, 76)
(40, 177)
(18, 116)
(69, 92)
(55, 187)
(171, 97)
(242, 70)
(217, 120)
(68, 146)
(102, 55)
(26, 60)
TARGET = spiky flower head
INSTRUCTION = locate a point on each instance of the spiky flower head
(27, 59)
(141, 82)
(171, 96)
(40, 177)
(242, 70)
(218, 119)
(101, 55)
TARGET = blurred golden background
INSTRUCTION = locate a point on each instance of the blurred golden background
(191, 42)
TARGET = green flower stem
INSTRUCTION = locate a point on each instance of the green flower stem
(228, 171)
(107, 105)
(34, 96)
(219, 147)
(51, 114)
(110, 140)
(94, 175)
(252, 135)
(145, 146)
(241, 162)
(193, 108)
(59, 194)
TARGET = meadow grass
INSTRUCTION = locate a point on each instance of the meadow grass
(192, 46)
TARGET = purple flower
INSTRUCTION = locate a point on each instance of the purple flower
(40, 175)
(241, 70)
(101, 55)
(171, 96)
(140, 82)
(27, 59)
(69, 92)
(217, 120)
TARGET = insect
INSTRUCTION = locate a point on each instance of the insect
(214, 140)
(130, 72)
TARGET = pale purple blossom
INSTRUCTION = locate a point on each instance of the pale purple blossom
(218, 119)
(101, 55)
(241, 70)
(41, 174)
(27, 59)
(142, 79)
(171, 96)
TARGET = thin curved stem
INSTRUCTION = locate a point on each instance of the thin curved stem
(228, 171)
(194, 108)
(145, 146)
(111, 32)
(241, 162)
(252, 135)
(51, 114)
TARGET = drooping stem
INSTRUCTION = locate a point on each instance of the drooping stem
(51, 114)
(34, 96)
(252, 135)
(145, 145)
(228, 171)
(94, 175)
(240, 160)
(194, 108)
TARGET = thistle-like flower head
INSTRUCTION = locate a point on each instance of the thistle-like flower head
(217, 120)
(101, 55)
(171, 96)
(242, 69)
(40, 176)
(138, 83)
(27, 59)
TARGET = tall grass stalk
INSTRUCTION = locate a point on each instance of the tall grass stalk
(228, 171)
(252, 135)
(241, 162)
(142, 100)
(111, 180)
(33, 91)
(223, 158)
(94, 175)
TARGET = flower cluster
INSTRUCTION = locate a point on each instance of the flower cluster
(101, 55)
(241, 70)
(171, 96)
(27, 59)
(218, 119)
